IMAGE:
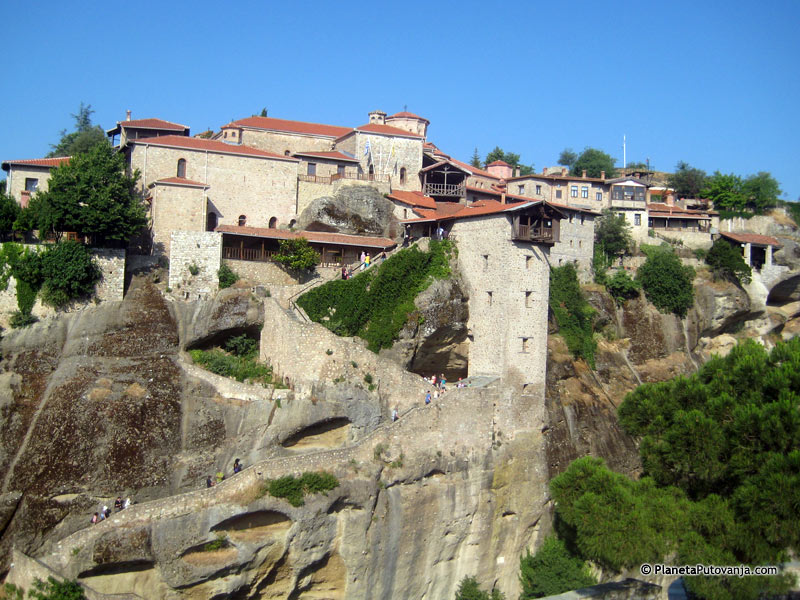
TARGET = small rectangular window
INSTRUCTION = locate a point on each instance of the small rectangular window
(583, 218)
(528, 299)
(312, 168)
(637, 219)
(539, 190)
(599, 196)
(489, 298)
(584, 191)
(526, 342)
(521, 189)
(573, 191)
(528, 262)
(31, 184)
(558, 194)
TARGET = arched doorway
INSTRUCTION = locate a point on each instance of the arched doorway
(211, 221)
(273, 222)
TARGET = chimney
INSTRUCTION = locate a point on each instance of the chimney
(544, 170)
(128, 115)
(583, 174)
(516, 171)
(377, 117)
(602, 174)
(564, 171)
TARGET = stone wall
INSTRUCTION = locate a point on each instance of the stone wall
(281, 142)
(576, 245)
(509, 284)
(190, 249)
(308, 191)
(175, 208)
(690, 239)
(255, 187)
(261, 273)
(17, 175)
(407, 153)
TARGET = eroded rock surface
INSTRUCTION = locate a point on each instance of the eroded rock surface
(358, 210)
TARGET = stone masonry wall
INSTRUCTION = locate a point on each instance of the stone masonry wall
(202, 249)
(258, 188)
(175, 208)
(280, 142)
(18, 174)
(576, 245)
(261, 273)
(407, 153)
(509, 285)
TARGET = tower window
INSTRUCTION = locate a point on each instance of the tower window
(242, 220)
(182, 168)
(402, 174)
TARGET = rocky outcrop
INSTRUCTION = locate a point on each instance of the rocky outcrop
(358, 210)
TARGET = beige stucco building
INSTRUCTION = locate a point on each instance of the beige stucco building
(26, 177)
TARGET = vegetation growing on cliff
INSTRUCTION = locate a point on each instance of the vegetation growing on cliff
(721, 485)
(52, 589)
(294, 488)
(666, 282)
(726, 261)
(552, 570)
(239, 361)
(469, 589)
(572, 312)
(375, 304)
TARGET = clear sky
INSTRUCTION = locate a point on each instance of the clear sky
(716, 84)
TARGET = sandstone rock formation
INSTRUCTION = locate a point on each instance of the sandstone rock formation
(359, 210)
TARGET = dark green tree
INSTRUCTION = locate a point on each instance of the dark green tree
(567, 157)
(622, 287)
(92, 195)
(510, 158)
(552, 570)
(469, 589)
(666, 282)
(726, 261)
(725, 191)
(263, 112)
(637, 166)
(297, 254)
(475, 161)
(9, 212)
(53, 589)
(761, 191)
(69, 272)
(572, 312)
(594, 161)
(612, 234)
(687, 181)
(83, 139)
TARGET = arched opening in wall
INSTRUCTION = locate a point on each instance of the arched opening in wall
(402, 175)
(286, 153)
(242, 220)
(292, 223)
(445, 351)
(371, 172)
(211, 221)
(182, 168)
(325, 434)
(273, 222)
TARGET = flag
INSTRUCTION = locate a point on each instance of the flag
(366, 148)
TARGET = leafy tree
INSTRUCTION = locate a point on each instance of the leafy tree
(263, 112)
(469, 589)
(637, 166)
(594, 161)
(622, 287)
(84, 138)
(227, 277)
(69, 272)
(567, 157)
(725, 191)
(475, 161)
(9, 212)
(510, 158)
(727, 261)
(687, 181)
(91, 194)
(53, 589)
(612, 234)
(572, 313)
(552, 570)
(666, 282)
(761, 191)
(297, 254)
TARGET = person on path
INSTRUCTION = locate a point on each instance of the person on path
(95, 518)
(344, 272)
(209, 482)
(436, 394)
(428, 398)
(394, 414)
(443, 383)
(433, 380)
(118, 504)
(367, 260)
(237, 466)
(363, 259)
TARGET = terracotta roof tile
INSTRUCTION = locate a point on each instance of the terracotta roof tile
(268, 123)
(407, 115)
(39, 162)
(180, 181)
(386, 130)
(498, 163)
(312, 236)
(179, 141)
(475, 170)
(417, 199)
(751, 238)
(328, 155)
(152, 124)
(659, 208)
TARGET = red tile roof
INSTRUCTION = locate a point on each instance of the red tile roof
(179, 141)
(270, 124)
(38, 162)
(417, 199)
(751, 238)
(452, 210)
(329, 155)
(498, 163)
(475, 170)
(660, 209)
(320, 237)
(386, 130)
(407, 115)
(152, 124)
(180, 181)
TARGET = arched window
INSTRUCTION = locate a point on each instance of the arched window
(371, 172)
(273, 222)
(182, 167)
(211, 221)
(242, 220)
(286, 153)
(291, 224)
(402, 175)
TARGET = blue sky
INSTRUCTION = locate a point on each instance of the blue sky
(715, 84)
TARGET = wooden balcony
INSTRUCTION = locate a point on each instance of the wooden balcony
(254, 254)
(539, 235)
(456, 190)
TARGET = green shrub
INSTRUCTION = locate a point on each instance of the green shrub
(734, 214)
(56, 590)
(700, 253)
(293, 489)
(20, 319)
(666, 282)
(726, 261)
(296, 254)
(600, 265)
(612, 234)
(468, 589)
(26, 296)
(194, 269)
(69, 272)
(375, 304)
(573, 314)
(227, 277)
(240, 368)
(622, 287)
(552, 570)
(368, 378)
(217, 544)
(241, 345)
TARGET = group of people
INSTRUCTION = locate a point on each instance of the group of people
(440, 385)
(220, 476)
(105, 512)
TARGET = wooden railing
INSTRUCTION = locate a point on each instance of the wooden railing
(255, 254)
(445, 189)
(534, 234)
